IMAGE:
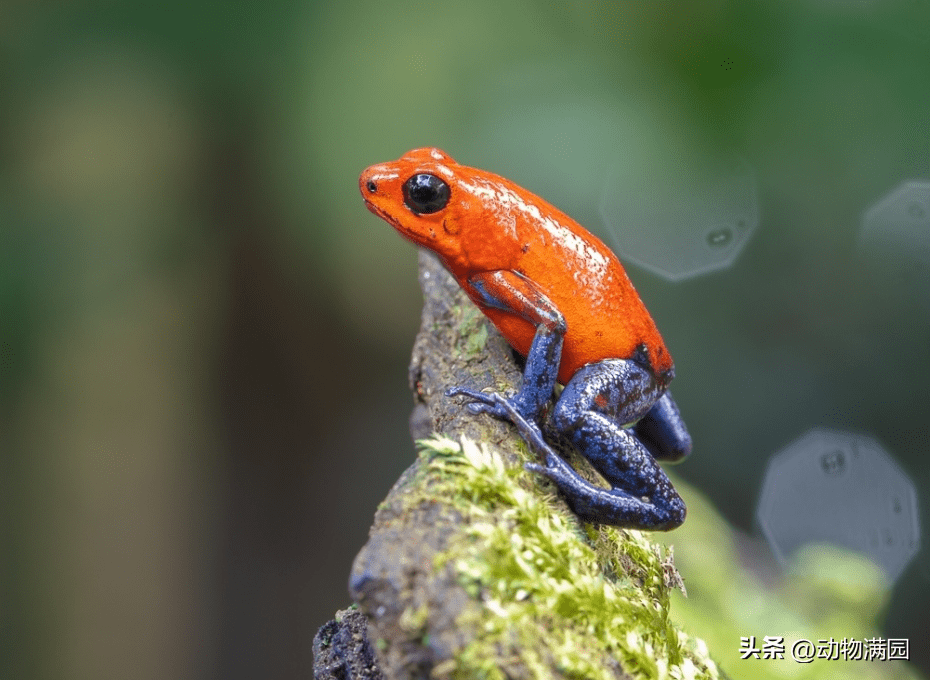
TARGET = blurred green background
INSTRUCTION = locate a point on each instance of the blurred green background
(204, 335)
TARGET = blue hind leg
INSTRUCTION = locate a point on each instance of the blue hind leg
(591, 413)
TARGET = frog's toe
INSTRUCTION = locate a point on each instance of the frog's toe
(477, 408)
(481, 402)
(555, 468)
(538, 469)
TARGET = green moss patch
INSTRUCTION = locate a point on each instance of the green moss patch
(554, 594)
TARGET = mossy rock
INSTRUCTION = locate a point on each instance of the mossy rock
(476, 568)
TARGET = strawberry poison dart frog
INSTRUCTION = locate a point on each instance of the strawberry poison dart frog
(563, 300)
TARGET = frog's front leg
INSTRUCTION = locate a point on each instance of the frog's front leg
(509, 291)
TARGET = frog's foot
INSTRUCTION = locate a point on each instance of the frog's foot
(661, 511)
(555, 468)
(611, 506)
(508, 409)
(483, 402)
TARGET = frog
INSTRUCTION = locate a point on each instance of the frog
(562, 300)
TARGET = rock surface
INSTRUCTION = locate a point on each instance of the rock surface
(342, 650)
(394, 571)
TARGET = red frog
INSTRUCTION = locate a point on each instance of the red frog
(563, 300)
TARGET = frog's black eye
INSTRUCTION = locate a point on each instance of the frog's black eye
(425, 194)
(371, 186)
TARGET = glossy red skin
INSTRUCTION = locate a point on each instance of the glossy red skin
(491, 224)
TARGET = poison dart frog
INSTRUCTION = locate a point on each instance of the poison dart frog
(563, 300)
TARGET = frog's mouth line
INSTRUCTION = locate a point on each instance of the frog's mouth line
(380, 213)
(394, 222)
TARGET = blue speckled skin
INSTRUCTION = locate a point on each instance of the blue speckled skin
(594, 413)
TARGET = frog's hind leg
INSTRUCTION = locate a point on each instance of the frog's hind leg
(591, 412)
(641, 497)
(591, 502)
(663, 432)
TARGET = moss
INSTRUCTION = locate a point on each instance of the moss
(413, 620)
(472, 328)
(554, 594)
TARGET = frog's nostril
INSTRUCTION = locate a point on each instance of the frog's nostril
(371, 186)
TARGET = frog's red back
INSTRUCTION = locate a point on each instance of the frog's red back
(491, 224)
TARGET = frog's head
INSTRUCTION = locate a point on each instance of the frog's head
(471, 218)
(412, 194)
